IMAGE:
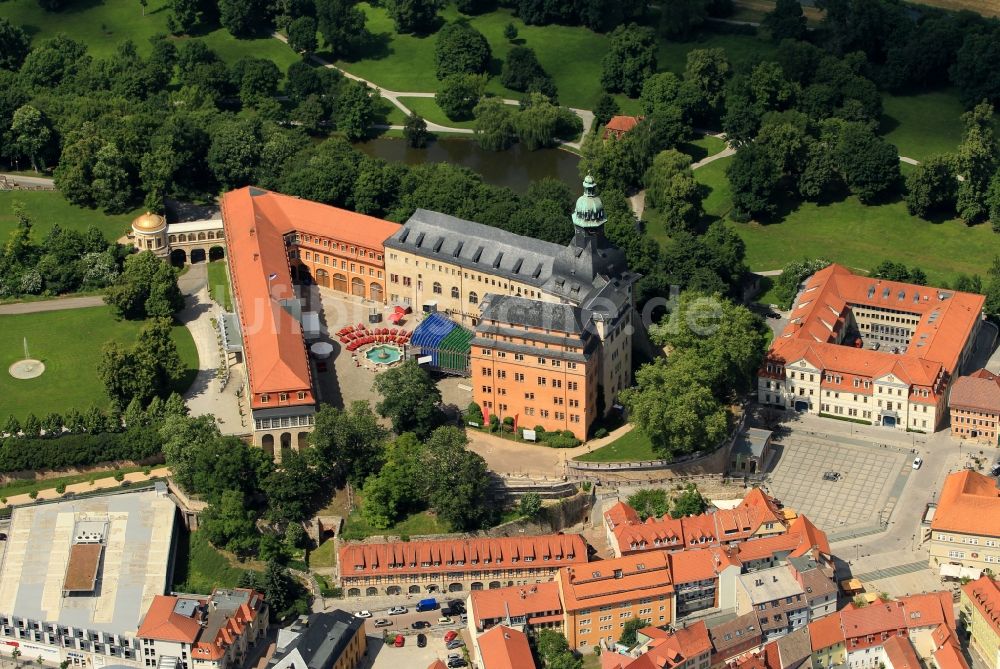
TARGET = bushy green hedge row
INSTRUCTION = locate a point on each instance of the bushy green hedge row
(77, 450)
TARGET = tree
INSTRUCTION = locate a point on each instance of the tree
(973, 71)
(630, 629)
(461, 49)
(868, 164)
(457, 481)
(540, 123)
(111, 188)
(459, 94)
(185, 15)
(52, 423)
(414, 16)
(494, 126)
(31, 133)
(754, 177)
(650, 503)
(993, 201)
(355, 110)
(671, 188)
(14, 45)
(932, 186)
(12, 427)
(147, 286)
(786, 21)
(241, 17)
(786, 286)
(708, 70)
(410, 399)
(510, 32)
(530, 505)
(235, 151)
(230, 525)
(976, 161)
(400, 487)
(347, 444)
(679, 18)
(256, 79)
(291, 490)
(31, 427)
(630, 59)
(690, 502)
(521, 69)
(150, 368)
(606, 108)
(415, 131)
(311, 114)
(342, 25)
(302, 35)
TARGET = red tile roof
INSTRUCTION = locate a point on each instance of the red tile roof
(516, 601)
(700, 564)
(163, 624)
(255, 223)
(984, 593)
(622, 123)
(502, 647)
(620, 579)
(900, 654)
(979, 391)
(969, 503)
(826, 632)
(665, 649)
(548, 551)
(946, 319)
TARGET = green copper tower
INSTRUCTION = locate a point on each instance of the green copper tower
(589, 211)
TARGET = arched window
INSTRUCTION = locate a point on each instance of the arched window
(436, 288)
(473, 298)
(454, 293)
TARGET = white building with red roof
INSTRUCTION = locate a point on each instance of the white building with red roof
(881, 352)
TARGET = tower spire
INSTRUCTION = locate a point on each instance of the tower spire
(589, 210)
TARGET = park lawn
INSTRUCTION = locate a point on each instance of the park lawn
(633, 445)
(740, 49)
(425, 522)
(429, 110)
(923, 125)
(325, 555)
(712, 176)
(69, 342)
(200, 567)
(218, 284)
(387, 113)
(231, 49)
(48, 208)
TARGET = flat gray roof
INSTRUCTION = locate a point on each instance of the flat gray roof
(774, 583)
(134, 567)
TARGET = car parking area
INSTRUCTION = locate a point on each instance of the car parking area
(841, 487)
(383, 655)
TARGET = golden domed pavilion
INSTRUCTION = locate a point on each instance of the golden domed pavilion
(149, 232)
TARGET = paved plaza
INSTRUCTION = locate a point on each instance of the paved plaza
(871, 480)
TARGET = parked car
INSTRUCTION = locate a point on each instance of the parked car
(363, 614)
(457, 605)
(448, 611)
(464, 618)
(400, 641)
(421, 640)
(831, 476)
(383, 622)
(444, 620)
(450, 635)
(419, 624)
(452, 645)
(457, 662)
(995, 471)
(454, 656)
(397, 610)
(917, 462)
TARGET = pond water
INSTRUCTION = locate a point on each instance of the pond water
(515, 168)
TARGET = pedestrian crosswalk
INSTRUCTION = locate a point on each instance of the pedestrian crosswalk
(888, 572)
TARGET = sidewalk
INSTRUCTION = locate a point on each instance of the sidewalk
(86, 486)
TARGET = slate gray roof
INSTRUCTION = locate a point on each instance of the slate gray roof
(752, 442)
(479, 247)
(322, 643)
(535, 313)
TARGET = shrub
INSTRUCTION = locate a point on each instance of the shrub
(61, 488)
(147, 470)
(33, 494)
(600, 433)
(119, 475)
(76, 450)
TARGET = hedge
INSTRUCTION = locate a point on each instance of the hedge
(77, 450)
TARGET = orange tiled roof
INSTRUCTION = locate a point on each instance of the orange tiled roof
(502, 647)
(255, 223)
(873, 619)
(899, 651)
(969, 503)
(945, 321)
(619, 514)
(516, 601)
(622, 123)
(547, 551)
(619, 579)
(984, 593)
(700, 564)
(979, 391)
(163, 624)
(826, 632)
(665, 649)
(437, 664)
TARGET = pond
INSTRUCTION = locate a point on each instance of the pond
(515, 168)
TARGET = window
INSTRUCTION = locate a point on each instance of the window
(541, 380)
(454, 293)
(265, 398)
(282, 397)
(436, 288)
(473, 298)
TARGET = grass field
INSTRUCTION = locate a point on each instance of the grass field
(200, 568)
(325, 555)
(429, 110)
(425, 522)
(69, 343)
(103, 24)
(633, 445)
(218, 284)
(48, 208)
(923, 125)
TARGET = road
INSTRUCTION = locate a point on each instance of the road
(404, 622)
(35, 182)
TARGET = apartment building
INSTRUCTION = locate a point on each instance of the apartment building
(870, 350)
(523, 607)
(686, 648)
(328, 640)
(599, 597)
(965, 528)
(817, 581)
(704, 578)
(202, 633)
(981, 606)
(778, 599)
(735, 638)
(537, 361)
(503, 647)
(455, 565)
(974, 404)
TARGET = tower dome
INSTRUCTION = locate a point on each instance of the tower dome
(149, 222)
(589, 211)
